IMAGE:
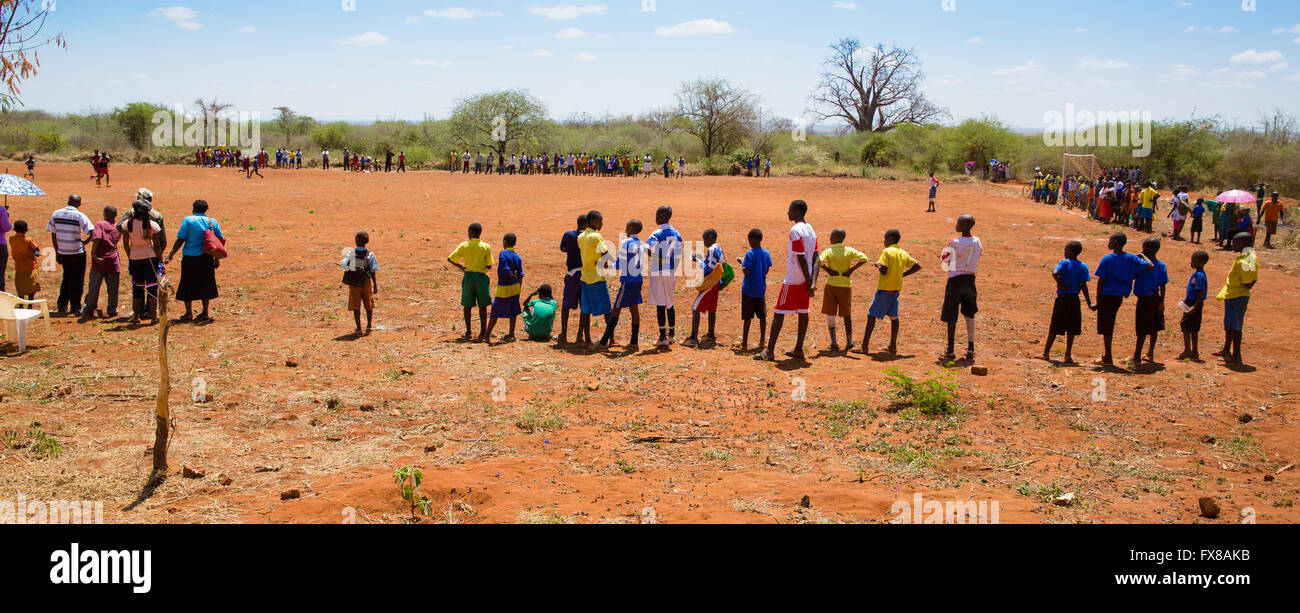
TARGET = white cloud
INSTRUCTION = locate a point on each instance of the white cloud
(1183, 70)
(459, 13)
(569, 12)
(433, 63)
(1278, 66)
(848, 6)
(570, 33)
(1081, 30)
(1029, 68)
(976, 40)
(1294, 77)
(411, 20)
(1295, 29)
(585, 57)
(183, 16)
(1250, 56)
(542, 53)
(1252, 75)
(1210, 29)
(249, 29)
(699, 27)
(1227, 30)
(1089, 62)
(369, 39)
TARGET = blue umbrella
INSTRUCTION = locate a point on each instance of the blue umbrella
(17, 186)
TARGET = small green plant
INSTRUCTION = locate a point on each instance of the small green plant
(625, 466)
(532, 420)
(1045, 493)
(720, 455)
(37, 441)
(1284, 503)
(933, 397)
(408, 480)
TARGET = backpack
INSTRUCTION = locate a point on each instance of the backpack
(354, 276)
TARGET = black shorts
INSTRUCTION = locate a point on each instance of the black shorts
(960, 295)
(1191, 323)
(1067, 315)
(1197, 224)
(751, 307)
(1150, 318)
(1107, 309)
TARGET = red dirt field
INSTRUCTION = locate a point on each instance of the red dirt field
(679, 436)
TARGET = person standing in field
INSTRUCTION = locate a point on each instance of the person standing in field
(840, 262)
(325, 159)
(106, 265)
(665, 249)
(198, 268)
(934, 192)
(894, 265)
(474, 258)
(1235, 295)
(1072, 277)
(360, 275)
(143, 240)
(31, 168)
(5, 227)
(961, 259)
(1272, 214)
(67, 226)
(799, 287)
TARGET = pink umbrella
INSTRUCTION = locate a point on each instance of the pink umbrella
(1236, 196)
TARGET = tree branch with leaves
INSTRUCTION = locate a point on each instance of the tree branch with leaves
(872, 89)
(22, 26)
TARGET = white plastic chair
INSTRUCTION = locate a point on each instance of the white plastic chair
(14, 320)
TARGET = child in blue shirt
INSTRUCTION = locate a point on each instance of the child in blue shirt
(707, 299)
(630, 263)
(1193, 305)
(753, 291)
(1198, 221)
(1149, 286)
(1115, 274)
(510, 276)
(1071, 277)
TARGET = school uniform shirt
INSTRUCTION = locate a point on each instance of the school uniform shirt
(1148, 282)
(68, 224)
(1198, 211)
(665, 248)
(898, 262)
(573, 255)
(1148, 198)
(840, 258)
(1272, 211)
(540, 319)
(1245, 270)
(757, 262)
(1073, 274)
(1118, 270)
(474, 254)
(803, 241)
(965, 258)
(592, 245)
(370, 265)
(1197, 287)
(631, 258)
(510, 274)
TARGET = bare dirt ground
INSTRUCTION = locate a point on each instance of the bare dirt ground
(696, 435)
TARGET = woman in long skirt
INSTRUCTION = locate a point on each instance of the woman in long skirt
(198, 269)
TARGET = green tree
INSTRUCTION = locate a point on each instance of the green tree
(495, 120)
(983, 139)
(292, 124)
(720, 114)
(330, 135)
(136, 121)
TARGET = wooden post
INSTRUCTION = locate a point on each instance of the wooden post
(163, 426)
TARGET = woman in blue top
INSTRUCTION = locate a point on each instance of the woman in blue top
(198, 269)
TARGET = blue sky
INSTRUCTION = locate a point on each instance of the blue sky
(1014, 59)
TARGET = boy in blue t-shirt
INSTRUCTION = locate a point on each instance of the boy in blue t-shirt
(506, 304)
(630, 263)
(706, 301)
(1149, 286)
(1115, 274)
(571, 300)
(1198, 221)
(753, 291)
(1071, 277)
(1193, 305)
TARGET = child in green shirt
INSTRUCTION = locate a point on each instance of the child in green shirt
(539, 315)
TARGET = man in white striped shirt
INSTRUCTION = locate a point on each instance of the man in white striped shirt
(70, 227)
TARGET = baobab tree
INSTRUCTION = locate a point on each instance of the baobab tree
(872, 89)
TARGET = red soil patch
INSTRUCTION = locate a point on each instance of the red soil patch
(735, 446)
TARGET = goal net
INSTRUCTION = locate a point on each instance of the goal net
(1085, 166)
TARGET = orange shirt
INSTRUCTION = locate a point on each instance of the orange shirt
(1272, 209)
(23, 251)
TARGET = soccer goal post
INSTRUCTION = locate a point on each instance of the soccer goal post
(1083, 165)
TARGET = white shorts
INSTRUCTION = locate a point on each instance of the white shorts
(662, 290)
